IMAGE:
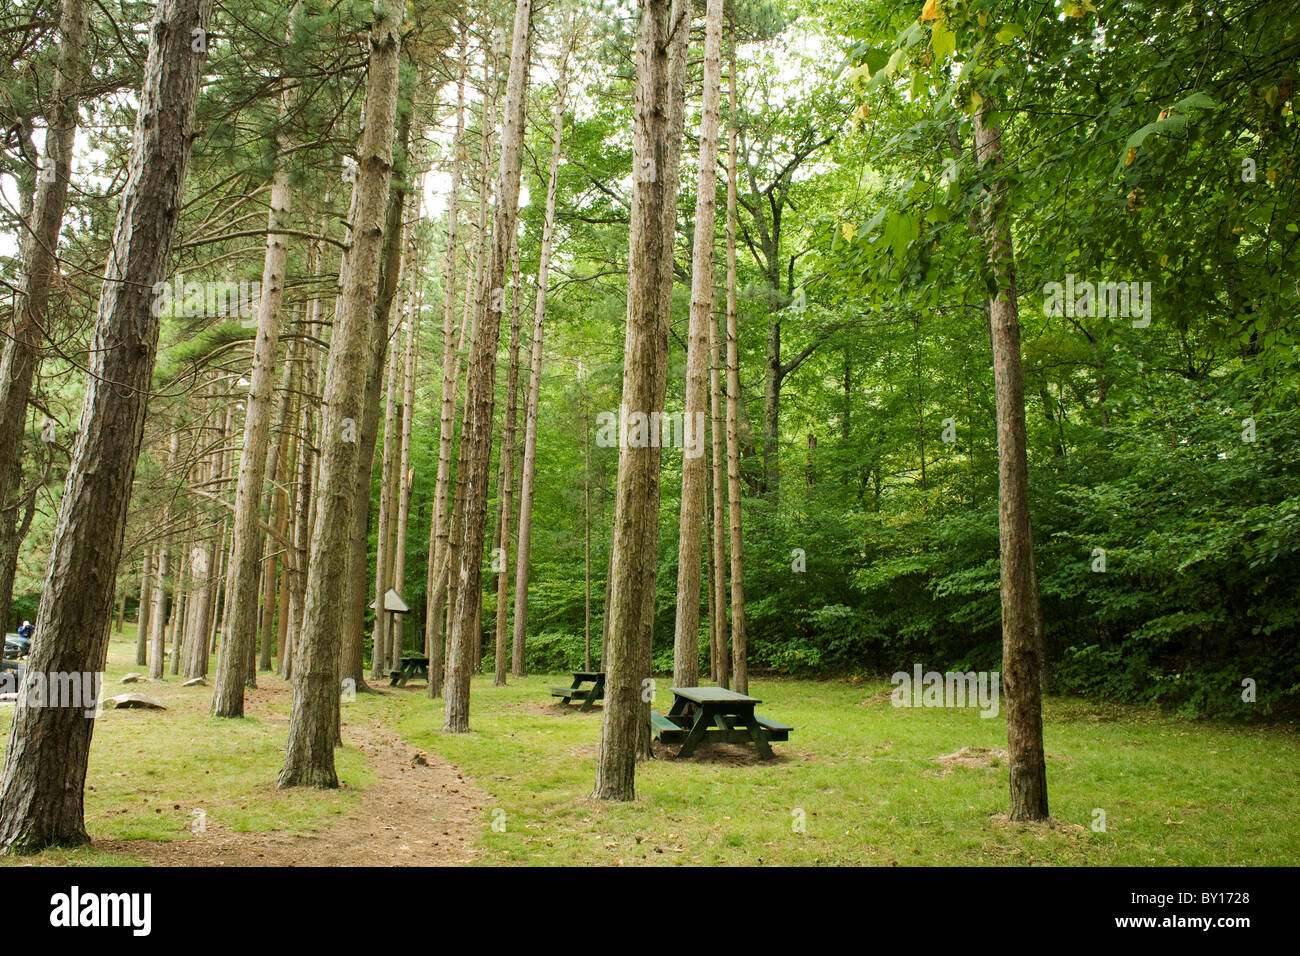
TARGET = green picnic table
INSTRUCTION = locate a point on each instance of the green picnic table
(411, 667)
(576, 691)
(715, 714)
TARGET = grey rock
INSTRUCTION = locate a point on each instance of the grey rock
(132, 700)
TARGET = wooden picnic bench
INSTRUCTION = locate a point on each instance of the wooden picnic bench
(411, 667)
(576, 691)
(715, 714)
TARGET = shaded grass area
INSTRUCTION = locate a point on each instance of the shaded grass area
(863, 779)
(860, 781)
(155, 774)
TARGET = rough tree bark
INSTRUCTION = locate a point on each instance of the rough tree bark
(381, 653)
(39, 257)
(471, 318)
(718, 439)
(246, 548)
(314, 720)
(158, 613)
(41, 797)
(739, 649)
(636, 508)
(306, 464)
(433, 611)
(1021, 613)
(686, 653)
(410, 360)
(282, 470)
(679, 18)
(142, 610)
(507, 480)
(518, 649)
(480, 383)
(380, 334)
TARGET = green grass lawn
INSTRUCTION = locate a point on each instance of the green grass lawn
(861, 776)
(151, 772)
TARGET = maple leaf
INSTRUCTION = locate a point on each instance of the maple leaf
(931, 10)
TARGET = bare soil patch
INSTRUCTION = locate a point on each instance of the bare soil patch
(974, 757)
(723, 754)
(420, 812)
(555, 709)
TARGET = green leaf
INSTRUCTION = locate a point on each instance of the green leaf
(1009, 32)
(1170, 124)
(891, 67)
(875, 59)
(1197, 101)
(942, 40)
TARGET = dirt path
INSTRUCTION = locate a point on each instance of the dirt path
(420, 812)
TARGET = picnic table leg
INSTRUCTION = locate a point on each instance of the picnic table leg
(574, 686)
(591, 699)
(703, 718)
(758, 735)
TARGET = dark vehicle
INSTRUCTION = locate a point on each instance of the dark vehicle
(17, 646)
(11, 676)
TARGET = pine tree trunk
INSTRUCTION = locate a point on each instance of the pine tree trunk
(406, 473)
(180, 611)
(718, 438)
(306, 470)
(39, 257)
(505, 534)
(471, 318)
(277, 594)
(246, 553)
(518, 649)
(686, 639)
(389, 275)
(586, 535)
(214, 595)
(142, 610)
(636, 505)
(41, 797)
(314, 720)
(382, 654)
(739, 648)
(480, 384)
(269, 555)
(679, 18)
(224, 458)
(158, 614)
(289, 446)
(195, 641)
(1021, 613)
(433, 609)
(266, 624)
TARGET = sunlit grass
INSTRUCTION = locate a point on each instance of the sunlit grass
(152, 773)
(859, 781)
(863, 779)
